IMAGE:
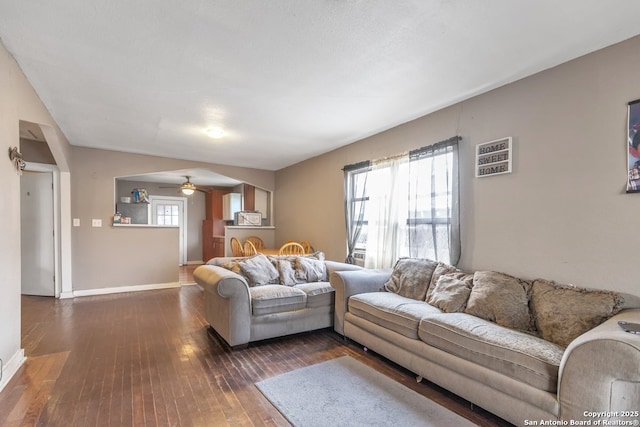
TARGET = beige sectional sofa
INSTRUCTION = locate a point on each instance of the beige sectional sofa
(254, 298)
(528, 351)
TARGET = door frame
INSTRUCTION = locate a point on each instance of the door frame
(55, 172)
(183, 226)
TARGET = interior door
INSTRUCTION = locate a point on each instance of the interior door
(166, 210)
(36, 229)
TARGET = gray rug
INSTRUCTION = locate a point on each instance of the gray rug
(344, 392)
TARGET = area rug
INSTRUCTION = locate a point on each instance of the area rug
(345, 392)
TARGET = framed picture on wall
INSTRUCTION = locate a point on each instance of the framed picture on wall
(633, 142)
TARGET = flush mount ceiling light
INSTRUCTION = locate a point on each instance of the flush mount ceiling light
(215, 132)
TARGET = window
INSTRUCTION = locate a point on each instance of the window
(404, 206)
(167, 214)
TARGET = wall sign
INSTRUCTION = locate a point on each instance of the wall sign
(493, 157)
(633, 143)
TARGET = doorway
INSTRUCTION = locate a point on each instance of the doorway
(37, 230)
(172, 211)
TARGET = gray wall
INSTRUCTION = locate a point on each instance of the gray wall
(109, 256)
(195, 211)
(18, 102)
(562, 214)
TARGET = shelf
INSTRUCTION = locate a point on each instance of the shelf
(144, 226)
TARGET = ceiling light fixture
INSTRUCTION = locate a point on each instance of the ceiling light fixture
(215, 132)
(187, 187)
(187, 191)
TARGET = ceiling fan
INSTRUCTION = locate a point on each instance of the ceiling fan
(188, 188)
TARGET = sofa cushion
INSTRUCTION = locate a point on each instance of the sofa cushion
(259, 270)
(500, 298)
(269, 299)
(391, 311)
(563, 312)
(319, 294)
(452, 292)
(515, 354)
(441, 269)
(411, 277)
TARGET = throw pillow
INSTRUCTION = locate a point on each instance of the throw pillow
(233, 266)
(259, 270)
(441, 269)
(500, 298)
(563, 312)
(411, 277)
(287, 272)
(309, 269)
(452, 292)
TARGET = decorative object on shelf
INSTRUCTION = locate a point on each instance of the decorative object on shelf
(248, 218)
(16, 158)
(633, 142)
(140, 195)
(494, 157)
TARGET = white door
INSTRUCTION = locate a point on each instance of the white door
(36, 228)
(166, 210)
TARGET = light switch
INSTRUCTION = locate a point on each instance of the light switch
(96, 223)
(76, 222)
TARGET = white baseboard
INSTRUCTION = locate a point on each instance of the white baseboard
(136, 288)
(195, 262)
(10, 367)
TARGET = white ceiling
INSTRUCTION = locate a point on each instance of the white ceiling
(286, 79)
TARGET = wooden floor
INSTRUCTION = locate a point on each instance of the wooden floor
(146, 359)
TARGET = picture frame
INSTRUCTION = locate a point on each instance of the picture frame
(633, 144)
(494, 157)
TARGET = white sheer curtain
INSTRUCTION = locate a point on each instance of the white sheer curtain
(405, 206)
(387, 210)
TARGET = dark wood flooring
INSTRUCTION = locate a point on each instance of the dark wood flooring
(146, 359)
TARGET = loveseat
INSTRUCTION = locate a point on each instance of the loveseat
(254, 298)
(531, 352)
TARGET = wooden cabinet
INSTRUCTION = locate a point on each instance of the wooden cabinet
(213, 225)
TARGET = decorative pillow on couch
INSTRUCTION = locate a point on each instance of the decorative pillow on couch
(502, 299)
(563, 312)
(259, 270)
(452, 292)
(411, 277)
(294, 269)
(441, 269)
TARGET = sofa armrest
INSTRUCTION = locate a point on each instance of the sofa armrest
(227, 302)
(599, 376)
(348, 283)
(340, 266)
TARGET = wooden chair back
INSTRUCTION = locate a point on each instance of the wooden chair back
(249, 248)
(257, 242)
(291, 248)
(236, 247)
(307, 247)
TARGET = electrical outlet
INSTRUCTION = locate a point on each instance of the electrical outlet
(76, 222)
(96, 223)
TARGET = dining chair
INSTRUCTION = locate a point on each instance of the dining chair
(236, 247)
(291, 248)
(249, 248)
(307, 247)
(257, 242)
